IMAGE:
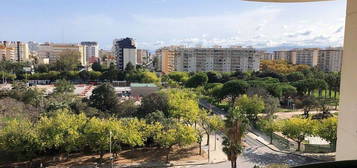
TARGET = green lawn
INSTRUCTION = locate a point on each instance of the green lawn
(326, 92)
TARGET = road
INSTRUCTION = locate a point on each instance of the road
(256, 153)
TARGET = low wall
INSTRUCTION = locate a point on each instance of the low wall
(282, 143)
(314, 148)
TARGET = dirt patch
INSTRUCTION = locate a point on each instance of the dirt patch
(126, 157)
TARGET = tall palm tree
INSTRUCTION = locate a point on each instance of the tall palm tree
(236, 125)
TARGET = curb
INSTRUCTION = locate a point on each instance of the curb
(290, 153)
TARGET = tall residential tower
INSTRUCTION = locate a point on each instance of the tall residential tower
(125, 51)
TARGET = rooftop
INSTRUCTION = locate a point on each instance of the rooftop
(142, 85)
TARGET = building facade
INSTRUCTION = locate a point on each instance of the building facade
(330, 59)
(266, 56)
(307, 56)
(51, 52)
(143, 56)
(288, 56)
(91, 51)
(209, 59)
(166, 59)
(14, 51)
(106, 57)
(125, 51)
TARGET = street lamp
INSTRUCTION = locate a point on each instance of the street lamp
(110, 149)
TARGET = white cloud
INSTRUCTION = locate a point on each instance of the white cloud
(262, 27)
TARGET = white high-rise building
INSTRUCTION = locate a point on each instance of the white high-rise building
(91, 51)
(210, 59)
(330, 59)
(307, 56)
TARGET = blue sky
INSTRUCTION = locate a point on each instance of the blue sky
(156, 23)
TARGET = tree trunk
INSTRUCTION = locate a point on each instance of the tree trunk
(335, 96)
(101, 155)
(208, 138)
(167, 155)
(330, 92)
(200, 152)
(30, 163)
(299, 145)
(306, 113)
(271, 138)
(320, 92)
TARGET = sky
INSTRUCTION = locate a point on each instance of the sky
(157, 23)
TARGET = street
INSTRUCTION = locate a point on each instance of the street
(255, 153)
(258, 154)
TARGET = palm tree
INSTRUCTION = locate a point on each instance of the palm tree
(236, 125)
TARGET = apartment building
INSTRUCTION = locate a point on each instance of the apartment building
(143, 56)
(286, 55)
(91, 51)
(6, 53)
(106, 57)
(307, 56)
(210, 59)
(330, 59)
(167, 58)
(14, 51)
(266, 55)
(125, 51)
(51, 52)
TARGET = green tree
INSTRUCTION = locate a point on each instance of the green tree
(129, 67)
(214, 77)
(309, 103)
(111, 74)
(94, 75)
(297, 129)
(295, 76)
(97, 67)
(104, 98)
(127, 108)
(269, 126)
(183, 105)
(251, 107)
(97, 135)
(84, 75)
(63, 86)
(175, 134)
(68, 60)
(199, 79)
(20, 137)
(150, 77)
(62, 131)
(234, 89)
(180, 77)
(209, 124)
(271, 105)
(154, 102)
(327, 129)
(236, 125)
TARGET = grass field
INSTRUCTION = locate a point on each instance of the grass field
(326, 93)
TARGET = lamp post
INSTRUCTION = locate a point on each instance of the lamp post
(110, 149)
